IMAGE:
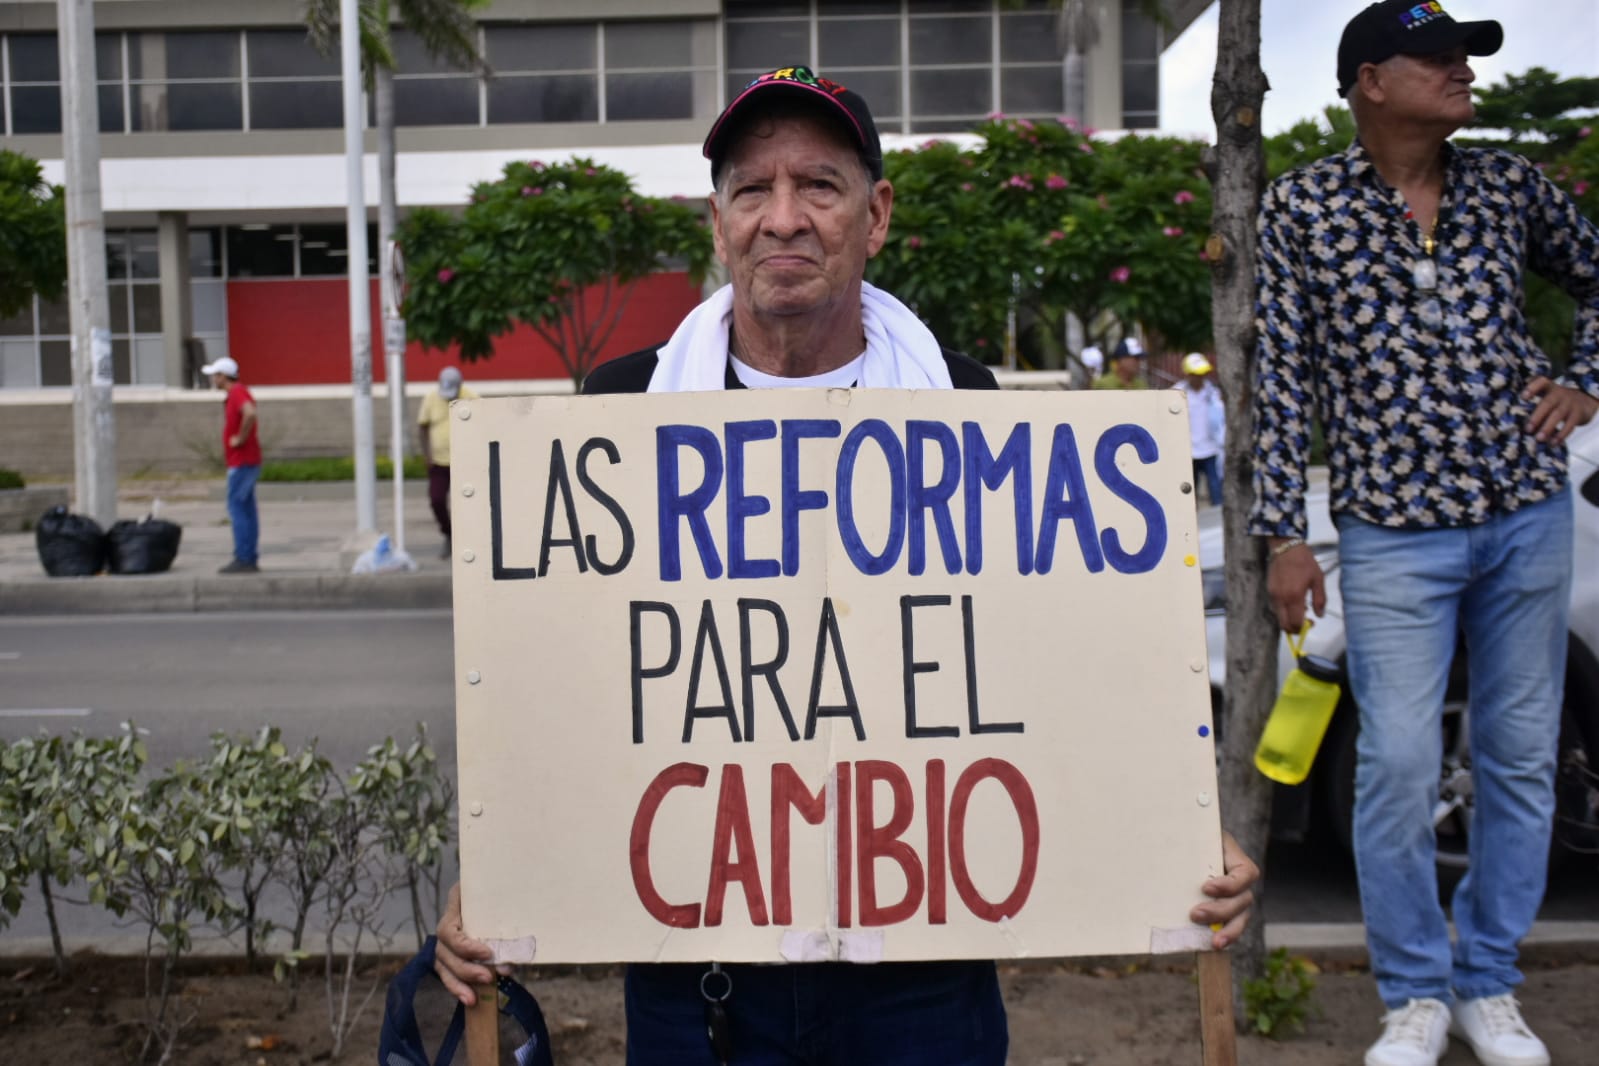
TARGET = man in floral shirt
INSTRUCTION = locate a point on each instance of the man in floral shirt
(1391, 310)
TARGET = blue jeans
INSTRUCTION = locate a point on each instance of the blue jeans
(1209, 470)
(1504, 586)
(241, 512)
(822, 1014)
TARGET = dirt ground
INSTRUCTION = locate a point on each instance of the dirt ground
(1110, 1013)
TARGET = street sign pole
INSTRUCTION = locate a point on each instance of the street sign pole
(366, 508)
(94, 418)
(394, 354)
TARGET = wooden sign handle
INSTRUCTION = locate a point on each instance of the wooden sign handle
(1218, 1038)
(483, 1028)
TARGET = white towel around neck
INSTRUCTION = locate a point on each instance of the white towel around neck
(901, 352)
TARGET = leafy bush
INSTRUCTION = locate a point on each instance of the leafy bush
(10, 479)
(198, 844)
(62, 797)
(1281, 996)
(336, 468)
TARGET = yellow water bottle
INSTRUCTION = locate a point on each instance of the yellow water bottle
(1299, 718)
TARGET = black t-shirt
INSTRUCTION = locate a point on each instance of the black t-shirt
(631, 373)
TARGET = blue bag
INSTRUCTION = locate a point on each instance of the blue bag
(400, 1040)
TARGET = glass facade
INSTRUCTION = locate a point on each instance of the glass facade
(927, 67)
(36, 345)
(275, 79)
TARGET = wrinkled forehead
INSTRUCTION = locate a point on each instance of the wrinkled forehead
(791, 119)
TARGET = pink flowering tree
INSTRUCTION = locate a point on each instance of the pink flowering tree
(1052, 221)
(557, 247)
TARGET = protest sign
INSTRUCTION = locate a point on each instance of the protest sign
(830, 674)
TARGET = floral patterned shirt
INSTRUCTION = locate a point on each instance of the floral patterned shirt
(1417, 391)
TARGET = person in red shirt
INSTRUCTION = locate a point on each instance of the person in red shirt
(241, 448)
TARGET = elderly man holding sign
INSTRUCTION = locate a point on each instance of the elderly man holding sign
(800, 205)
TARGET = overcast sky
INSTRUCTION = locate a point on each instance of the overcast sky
(1299, 52)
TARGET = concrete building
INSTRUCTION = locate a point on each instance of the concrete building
(222, 146)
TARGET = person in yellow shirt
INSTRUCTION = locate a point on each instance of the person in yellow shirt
(1127, 367)
(433, 427)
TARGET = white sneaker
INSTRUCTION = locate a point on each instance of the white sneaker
(1413, 1035)
(1493, 1027)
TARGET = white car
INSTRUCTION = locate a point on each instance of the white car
(1329, 791)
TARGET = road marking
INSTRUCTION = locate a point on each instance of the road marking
(45, 712)
(9, 656)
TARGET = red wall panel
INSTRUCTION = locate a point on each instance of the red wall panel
(297, 332)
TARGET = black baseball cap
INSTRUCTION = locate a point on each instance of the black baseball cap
(1402, 27)
(843, 105)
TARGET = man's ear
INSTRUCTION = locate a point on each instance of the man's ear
(880, 208)
(716, 229)
(1370, 82)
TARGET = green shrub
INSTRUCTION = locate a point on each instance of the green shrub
(10, 479)
(1280, 998)
(336, 468)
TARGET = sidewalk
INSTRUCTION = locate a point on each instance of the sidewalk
(304, 529)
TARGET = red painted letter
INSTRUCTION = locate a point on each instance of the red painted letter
(937, 893)
(846, 844)
(733, 828)
(789, 791)
(680, 916)
(1021, 797)
(884, 842)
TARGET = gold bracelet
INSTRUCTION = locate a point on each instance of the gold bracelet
(1288, 545)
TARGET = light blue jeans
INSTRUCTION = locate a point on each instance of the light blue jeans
(242, 513)
(1505, 586)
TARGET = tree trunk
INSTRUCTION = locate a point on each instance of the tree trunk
(1075, 87)
(59, 952)
(1236, 95)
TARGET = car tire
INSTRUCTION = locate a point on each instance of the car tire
(1576, 828)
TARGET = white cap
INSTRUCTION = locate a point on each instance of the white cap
(1092, 357)
(449, 383)
(224, 365)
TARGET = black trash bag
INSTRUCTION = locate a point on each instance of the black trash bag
(146, 547)
(70, 545)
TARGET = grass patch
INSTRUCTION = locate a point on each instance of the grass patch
(10, 479)
(336, 468)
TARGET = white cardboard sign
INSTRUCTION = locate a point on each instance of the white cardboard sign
(830, 674)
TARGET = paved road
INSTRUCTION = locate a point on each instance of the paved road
(347, 677)
(351, 677)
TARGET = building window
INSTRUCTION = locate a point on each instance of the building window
(1141, 45)
(34, 83)
(267, 250)
(186, 81)
(36, 345)
(928, 66)
(429, 91)
(659, 70)
(275, 79)
(543, 73)
(260, 250)
(291, 85)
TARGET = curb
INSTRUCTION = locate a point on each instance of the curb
(1342, 944)
(168, 594)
